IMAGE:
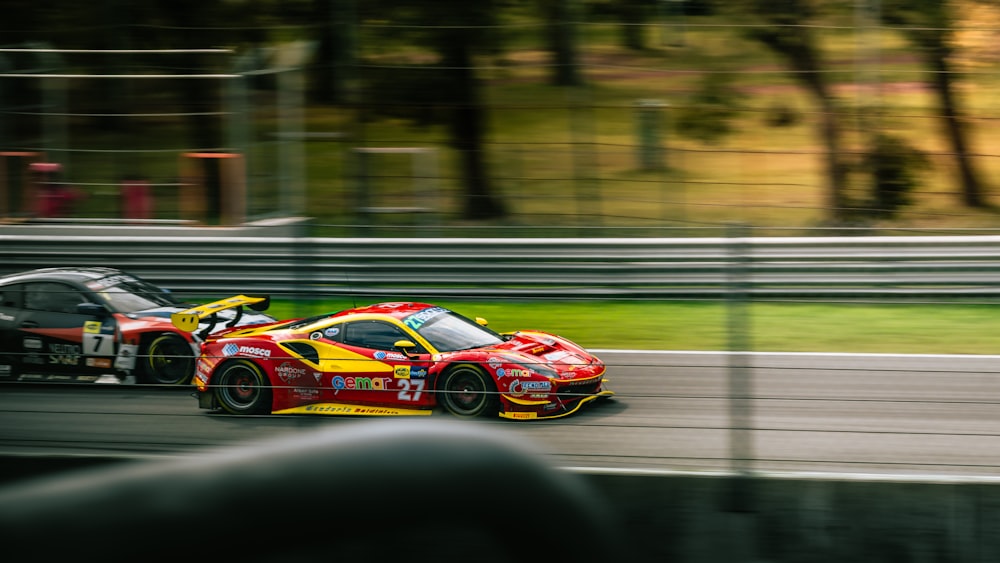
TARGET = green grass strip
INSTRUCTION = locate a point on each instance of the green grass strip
(773, 327)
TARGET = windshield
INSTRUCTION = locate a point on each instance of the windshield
(126, 294)
(448, 331)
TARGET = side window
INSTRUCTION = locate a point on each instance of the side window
(372, 334)
(12, 296)
(52, 296)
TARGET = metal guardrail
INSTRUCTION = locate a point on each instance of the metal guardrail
(702, 268)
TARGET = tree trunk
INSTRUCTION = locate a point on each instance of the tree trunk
(561, 29)
(971, 190)
(633, 17)
(796, 46)
(467, 133)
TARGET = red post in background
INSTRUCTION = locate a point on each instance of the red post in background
(136, 199)
(53, 197)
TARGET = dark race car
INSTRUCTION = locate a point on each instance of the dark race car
(394, 359)
(104, 325)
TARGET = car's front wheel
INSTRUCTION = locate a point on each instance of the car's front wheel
(466, 391)
(241, 387)
(168, 360)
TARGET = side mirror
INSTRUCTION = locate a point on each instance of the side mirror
(406, 346)
(481, 321)
(92, 310)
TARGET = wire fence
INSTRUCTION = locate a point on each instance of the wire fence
(701, 128)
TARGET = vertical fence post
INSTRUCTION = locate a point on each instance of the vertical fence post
(740, 372)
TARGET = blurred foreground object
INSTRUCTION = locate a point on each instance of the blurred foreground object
(382, 490)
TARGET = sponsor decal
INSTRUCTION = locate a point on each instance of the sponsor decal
(64, 354)
(332, 331)
(92, 327)
(111, 281)
(521, 415)
(518, 387)
(513, 372)
(5, 370)
(99, 363)
(305, 393)
(339, 409)
(288, 372)
(495, 362)
(328, 409)
(401, 372)
(6, 317)
(360, 383)
(418, 372)
(232, 349)
(417, 320)
(32, 344)
(255, 351)
(380, 355)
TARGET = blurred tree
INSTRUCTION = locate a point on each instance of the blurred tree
(332, 25)
(707, 113)
(634, 14)
(894, 167)
(780, 25)
(929, 26)
(561, 27)
(455, 32)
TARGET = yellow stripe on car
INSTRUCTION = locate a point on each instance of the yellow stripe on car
(352, 410)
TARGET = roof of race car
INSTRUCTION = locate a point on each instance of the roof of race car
(71, 273)
(396, 309)
(399, 310)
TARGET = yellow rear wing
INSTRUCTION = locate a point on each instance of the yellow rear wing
(189, 319)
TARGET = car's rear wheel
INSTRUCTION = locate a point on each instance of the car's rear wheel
(242, 388)
(168, 360)
(466, 391)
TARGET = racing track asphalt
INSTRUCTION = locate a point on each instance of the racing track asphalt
(816, 413)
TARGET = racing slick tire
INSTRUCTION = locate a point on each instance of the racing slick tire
(466, 391)
(168, 360)
(242, 388)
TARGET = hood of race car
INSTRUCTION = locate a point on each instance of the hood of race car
(543, 349)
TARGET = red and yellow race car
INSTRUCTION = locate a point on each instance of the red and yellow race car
(90, 324)
(399, 358)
